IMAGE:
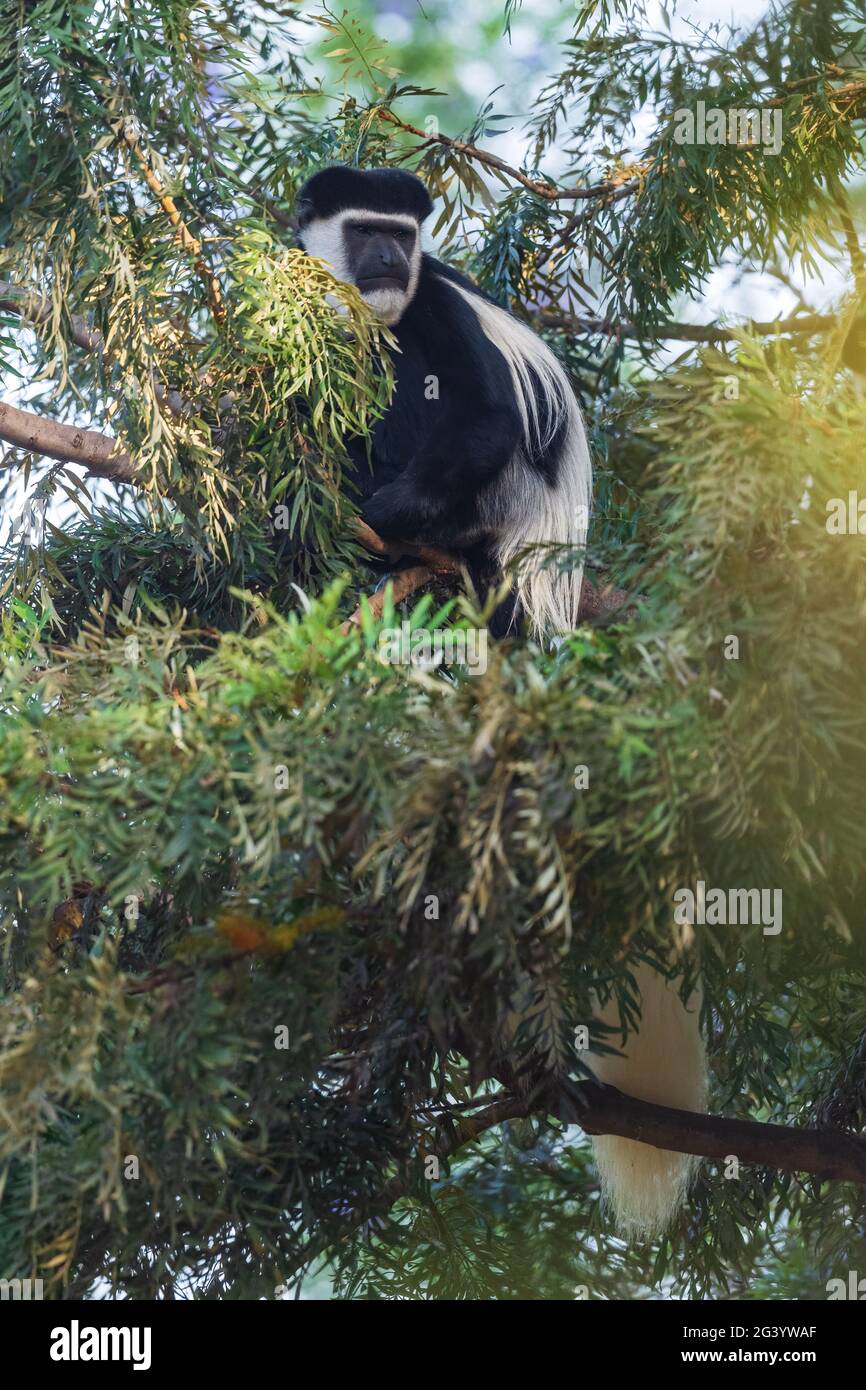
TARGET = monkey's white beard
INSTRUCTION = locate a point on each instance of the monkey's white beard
(390, 305)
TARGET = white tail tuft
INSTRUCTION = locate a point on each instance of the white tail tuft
(663, 1062)
(523, 509)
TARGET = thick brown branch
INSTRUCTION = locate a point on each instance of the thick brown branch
(801, 324)
(440, 561)
(403, 584)
(407, 581)
(828, 1153)
(601, 603)
(99, 453)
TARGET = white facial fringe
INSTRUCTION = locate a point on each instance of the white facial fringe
(524, 511)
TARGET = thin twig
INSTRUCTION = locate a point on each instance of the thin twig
(611, 189)
(189, 242)
(16, 299)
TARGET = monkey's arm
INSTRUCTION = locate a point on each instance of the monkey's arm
(435, 497)
(600, 605)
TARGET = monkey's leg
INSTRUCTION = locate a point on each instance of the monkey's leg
(485, 576)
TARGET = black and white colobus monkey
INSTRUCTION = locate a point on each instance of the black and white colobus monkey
(492, 461)
(483, 449)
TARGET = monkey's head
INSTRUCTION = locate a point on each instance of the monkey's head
(366, 224)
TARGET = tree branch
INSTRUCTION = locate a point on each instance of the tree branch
(829, 1153)
(805, 324)
(854, 93)
(440, 561)
(99, 453)
(189, 242)
(603, 1110)
(16, 299)
(611, 189)
(849, 231)
(596, 604)
(404, 582)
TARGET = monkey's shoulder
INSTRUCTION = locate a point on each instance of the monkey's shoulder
(441, 333)
(441, 270)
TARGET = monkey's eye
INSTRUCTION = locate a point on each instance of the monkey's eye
(362, 228)
(403, 236)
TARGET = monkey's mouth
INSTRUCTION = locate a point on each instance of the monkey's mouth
(382, 282)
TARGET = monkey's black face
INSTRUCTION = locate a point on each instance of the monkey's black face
(379, 254)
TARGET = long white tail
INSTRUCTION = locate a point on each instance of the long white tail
(532, 518)
(664, 1062)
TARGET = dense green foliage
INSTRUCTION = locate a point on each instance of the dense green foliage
(273, 913)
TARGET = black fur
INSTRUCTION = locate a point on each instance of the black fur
(430, 457)
(379, 190)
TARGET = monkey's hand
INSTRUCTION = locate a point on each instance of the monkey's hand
(399, 511)
(387, 550)
(439, 561)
